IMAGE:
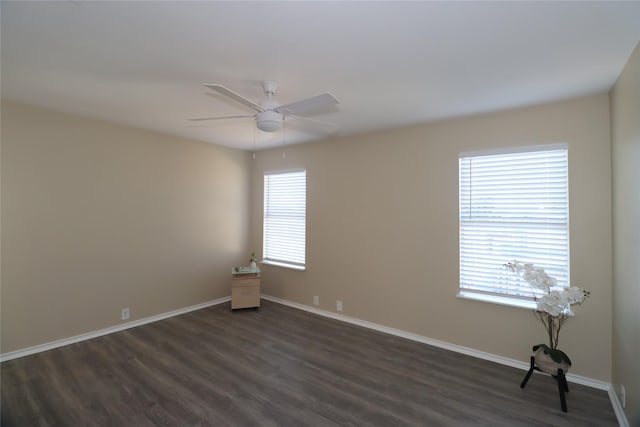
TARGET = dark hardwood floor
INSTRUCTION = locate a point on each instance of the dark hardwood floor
(277, 366)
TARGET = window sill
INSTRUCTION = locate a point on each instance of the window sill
(510, 302)
(494, 299)
(284, 265)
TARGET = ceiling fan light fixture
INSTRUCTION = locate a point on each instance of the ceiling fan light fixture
(269, 115)
(269, 121)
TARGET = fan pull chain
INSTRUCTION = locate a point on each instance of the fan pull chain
(284, 134)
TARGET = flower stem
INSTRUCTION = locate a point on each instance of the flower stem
(550, 329)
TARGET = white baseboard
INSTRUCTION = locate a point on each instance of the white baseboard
(577, 379)
(89, 335)
(617, 407)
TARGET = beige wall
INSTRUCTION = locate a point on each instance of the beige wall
(625, 126)
(96, 217)
(382, 233)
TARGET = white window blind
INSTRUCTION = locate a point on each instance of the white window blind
(512, 206)
(285, 213)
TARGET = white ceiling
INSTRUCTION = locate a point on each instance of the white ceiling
(390, 64)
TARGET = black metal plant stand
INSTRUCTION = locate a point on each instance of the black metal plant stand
(563, 387)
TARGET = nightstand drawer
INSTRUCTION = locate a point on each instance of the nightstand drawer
(245, 281)
(245, 296)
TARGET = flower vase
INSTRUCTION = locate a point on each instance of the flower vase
(253, 264)
(545, 363)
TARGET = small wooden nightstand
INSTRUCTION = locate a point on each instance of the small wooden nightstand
(245, 287)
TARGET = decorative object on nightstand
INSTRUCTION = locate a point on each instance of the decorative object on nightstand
(253, 260)
(552, 309)
(245, 287)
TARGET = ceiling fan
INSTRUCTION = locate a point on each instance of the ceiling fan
(269, 116)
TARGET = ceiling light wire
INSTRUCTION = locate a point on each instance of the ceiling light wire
(254, 140)
(284, 134)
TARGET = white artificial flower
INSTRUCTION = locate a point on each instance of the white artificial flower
(553, 303)
(575, 295)
(537, 277)
(514, 266)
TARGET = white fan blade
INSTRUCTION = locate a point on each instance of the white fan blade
(323, 127)
(235, 96)
(201, 119)
(314, 103)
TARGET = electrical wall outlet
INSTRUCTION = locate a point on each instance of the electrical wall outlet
(623, 395)
(124, 313)
(316, 300)
(339, 305)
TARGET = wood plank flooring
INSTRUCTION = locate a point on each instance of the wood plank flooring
(277, 366)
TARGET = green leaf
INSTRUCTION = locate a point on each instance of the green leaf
(544, 347)
(556, 355)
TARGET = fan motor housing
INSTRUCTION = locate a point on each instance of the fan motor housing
(269, 121)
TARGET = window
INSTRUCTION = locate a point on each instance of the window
(285, 214)
(513, 205)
